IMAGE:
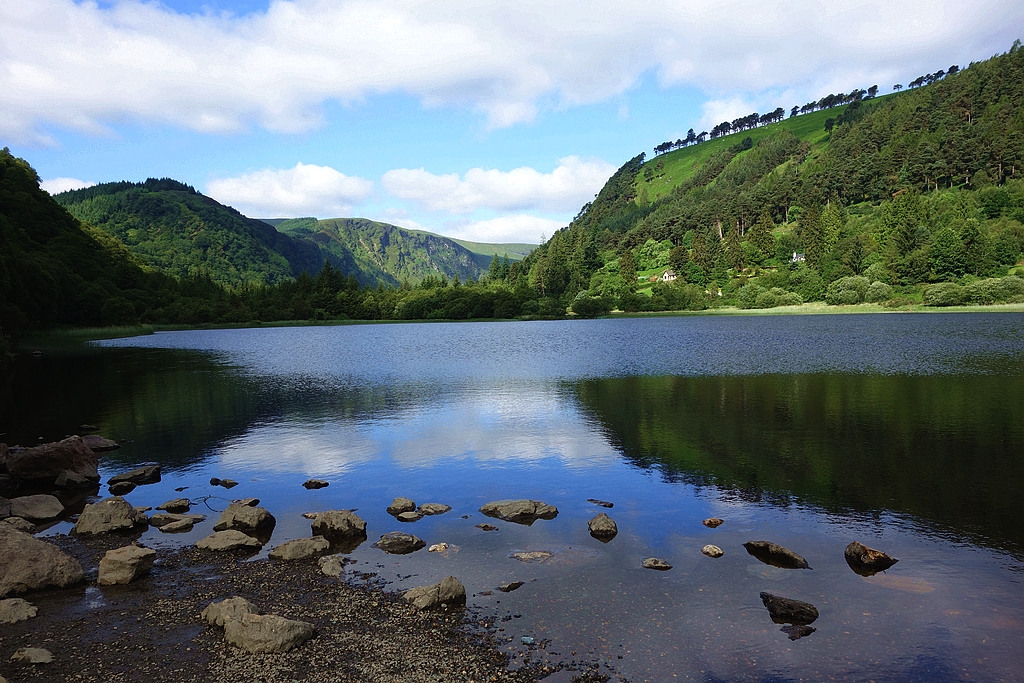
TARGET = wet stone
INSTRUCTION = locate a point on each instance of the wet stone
(713, 522)
(712, 551)
(601, 503)
(316, 484)
(775, 555)
(656, 563)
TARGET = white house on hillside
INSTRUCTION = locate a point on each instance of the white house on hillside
(668, 276)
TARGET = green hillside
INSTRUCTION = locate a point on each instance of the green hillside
(169, 226)
(915, 196)
(388, 253)
(513, 250)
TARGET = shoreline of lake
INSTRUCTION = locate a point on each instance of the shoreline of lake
(74, 336)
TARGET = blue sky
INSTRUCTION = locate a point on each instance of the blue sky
(476, 119)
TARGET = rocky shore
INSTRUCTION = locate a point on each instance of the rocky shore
(151, 629)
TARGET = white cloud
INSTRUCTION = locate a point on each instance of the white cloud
(305, 190)
(58, 185)
(85, 66)
(570, 185)
(520, 228)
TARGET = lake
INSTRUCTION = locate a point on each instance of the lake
(902, 431)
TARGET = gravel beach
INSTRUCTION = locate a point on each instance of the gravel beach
(150, 630)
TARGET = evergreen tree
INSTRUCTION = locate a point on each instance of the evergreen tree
(948, 258)
(700, 252)
(627, 269)
(734, 248)
(831, 226)
(678, 257)
(762, 237)
(812, 236)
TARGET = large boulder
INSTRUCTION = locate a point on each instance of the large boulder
(217, 613)
(301, 549)
(338, 524)
(775, 555)
(787, 611)
(20, 524)
(30, 564)
(449, 591)
(124, 565)
(245, 518)
(5, 508)
(150, 474)
(867, 561)
(45, 462)
(110, 514)
(14, 610)
(231, 539)
(519, 511)
(397, 543)
(603, 528)
(261, 633)
(39, 508)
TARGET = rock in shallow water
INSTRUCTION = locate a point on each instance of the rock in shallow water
(121, 488)
(150, 474)
(486, 527)
(338, 524)
(245, 518)
(712, 551)
(510, 586)
(228, 540)
(713, 522)
(448, 592)
(110, 514)
(867, 561)
(301, 549)
(656, 563)
(124, 565)
(400, 505)
(30, 564)
(433, 508)
(39, 508)
(46, 462)
(519, 511)
(225, 483)
(99, 444)
(775, 555)
(602, 503)
(334, 565)
(177, 505)
(316, 484)
(603, 528)
(398, 543)
(409, 516)
(788, 611)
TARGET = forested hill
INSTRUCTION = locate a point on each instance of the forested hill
(388, 253)
(908, 190)
(169, 226)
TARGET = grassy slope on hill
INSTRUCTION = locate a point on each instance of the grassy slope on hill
(514, 250)
(171, 227)
(387, 252)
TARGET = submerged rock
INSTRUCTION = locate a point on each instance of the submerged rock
(263, 633)
(400, 505)
(656, 563)
(228, 540)
(110, 514)
(250, 502)
(316, 484)
(225, 483)
(797, 631)
(150, 474)
(712, 551)
(14, 610)
(603, 528)
(398, 543)
(788, 611)
(30, 564)
(448, 592)
(438, 547)
(409, 516)
(532, 556)
(301, 549)
(867, 561)
(510, 586)
(216, 613)
(166, 519)
(602, 503)
(775, 555)
(713, 522)
(486, 527)
(519, 511)
(40, 508)
(124, 565)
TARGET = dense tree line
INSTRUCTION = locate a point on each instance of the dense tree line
(907, 192)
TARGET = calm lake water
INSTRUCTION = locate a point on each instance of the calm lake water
(905, 432)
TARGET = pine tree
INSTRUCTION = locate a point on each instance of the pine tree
(627, 269)
(734, 248)
(831, 226)
(811, 234)
(761, 235)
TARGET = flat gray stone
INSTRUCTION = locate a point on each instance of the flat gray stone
(124, 565)
(656, 563)
(32, 655)
(245, 518)
(216, 613)
(338, 524)
(334, 565)
(110, 514)
(519, 511)
(301, 549)
(150, 474)
(14, 610)
(30, 564)
(39, 508)
(20, 524)
(449, 592)
(260, 633)
(398, 543)
(163, 519)
(177, 505)
(433, 508)
(400, 505)
(228, 540)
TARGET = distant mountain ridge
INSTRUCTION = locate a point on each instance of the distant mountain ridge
(169, 226)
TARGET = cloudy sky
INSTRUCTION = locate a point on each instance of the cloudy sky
(480, 119)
